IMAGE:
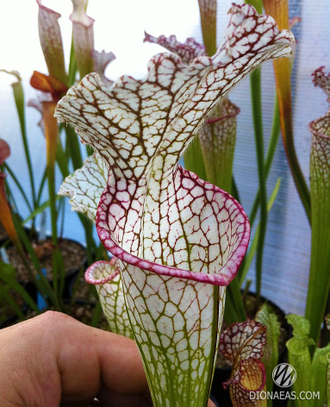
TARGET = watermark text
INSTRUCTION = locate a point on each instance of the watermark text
(285, 395)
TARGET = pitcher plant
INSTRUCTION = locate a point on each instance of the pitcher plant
(178, 240)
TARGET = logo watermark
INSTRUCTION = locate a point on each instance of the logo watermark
(284, 395)
(284, 376)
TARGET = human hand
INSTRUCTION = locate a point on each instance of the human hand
(53, 360)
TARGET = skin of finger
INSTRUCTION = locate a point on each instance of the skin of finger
(28, 372)
(53, 355)
(114, 359)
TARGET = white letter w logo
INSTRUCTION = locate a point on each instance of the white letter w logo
(284, 375)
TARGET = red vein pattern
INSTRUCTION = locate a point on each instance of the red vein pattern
(187, 51)
(243, 340)
(85, 186)
(321, 80)
(242, 344)
(179, 240)
(51, 41)
(217, 135)
(245, 385)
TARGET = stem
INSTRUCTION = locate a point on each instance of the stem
(246, 290)
(42, 184)
(19, 101)
(90, 243)
(285, 106)
(51, 130)
(235, 310)
(236, 292)
(19, 187)
(52, 202)
(42, 284)
(61, 209)
(74, 147)
(62, 159)
(242, 273)
(255, 80)
(280, 11)
(193, 159)
(11, 282)
(208, 15)
(234, 190)
(72, 65)
(257, 4)
(319, 282)
(230, 315)
(275, 133)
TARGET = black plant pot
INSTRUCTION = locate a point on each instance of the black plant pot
(220, 395)
(77, 259)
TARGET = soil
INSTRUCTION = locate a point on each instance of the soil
(7, 314)
(73, 253)
(3, 233)
(82, 291)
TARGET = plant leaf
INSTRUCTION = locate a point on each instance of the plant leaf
(46, 83)
(134, 159)
(328, 377)
(242, 344)
(51, 42)
(101, 61)
(218, 138)
(270, 357)
(106, 277)
(301, 325)
(4, 151)
(280, 11)
(243, 340)
(83, 37)
(319, 373)
(318, 286)
(171, 231)
(208, 13)
(300, 359)
(321, 80)
(187, 51)
(245, 385)
(8, 276)
(189, 89)
(86, 185)
(299, 354)
(40, 209)
(5, 212)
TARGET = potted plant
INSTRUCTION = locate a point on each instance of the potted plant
(32, 258)
(178, 240)
(174, 254)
